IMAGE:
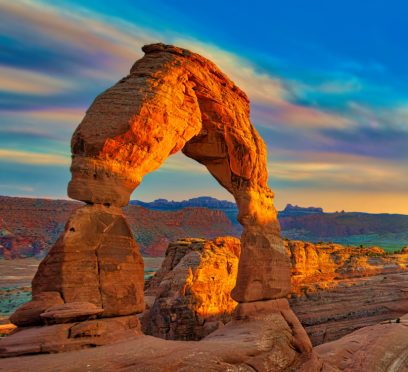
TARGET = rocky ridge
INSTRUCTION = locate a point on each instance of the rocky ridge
(189, 297)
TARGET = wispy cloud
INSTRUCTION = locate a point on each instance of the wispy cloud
(26, 157)
(25, 81)
(338, 133)
(339, 171)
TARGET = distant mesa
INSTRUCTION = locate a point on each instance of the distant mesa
(201, 201)
(29, 227)
(296, 210)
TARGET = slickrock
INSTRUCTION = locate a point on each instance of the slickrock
(69, 336)
(192, 290)
(343, 306)
(70, 312)
(261, 342)
(381, 347)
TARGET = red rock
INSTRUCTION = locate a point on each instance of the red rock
(320, 265)
(69, 336)
(171, 100)
(193, 289)
(29, 313)
(264, 344)
(30, 227)
(382, 347)
(71, 312)
(338, 289)
(96, 260)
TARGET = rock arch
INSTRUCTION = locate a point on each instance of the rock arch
(172, 100)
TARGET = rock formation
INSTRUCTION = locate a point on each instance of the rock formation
(381, 347)
(336, 289)
(96, 260)
(172, 100)
(320, 265)
(176, 100)
(191, 293)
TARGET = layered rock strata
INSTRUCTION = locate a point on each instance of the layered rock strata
(176, 100)
(191, 293)
(96, 260)
(335, 289)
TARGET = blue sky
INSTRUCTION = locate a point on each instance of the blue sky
(327, 80)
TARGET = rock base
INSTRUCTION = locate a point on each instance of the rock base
(264, 343)
(69, 336)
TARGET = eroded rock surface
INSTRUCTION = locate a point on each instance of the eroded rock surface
(381, 347)
(319, 266)
(336, 289)
(96, 260)
(58, 338)
(172, 100)
(176, 100)
(192, 290)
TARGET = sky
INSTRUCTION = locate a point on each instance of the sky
(327, 81)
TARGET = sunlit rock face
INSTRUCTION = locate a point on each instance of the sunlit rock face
(189, 296)
(319, 266)
(176, 100)
(192, 290)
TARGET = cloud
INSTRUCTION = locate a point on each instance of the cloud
(56, 59)
(271, 96)
(30, 82)
(337, 171)
(56, 115)
(291, 115)
(26, 157)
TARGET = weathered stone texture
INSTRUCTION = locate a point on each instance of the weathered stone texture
(176, 100)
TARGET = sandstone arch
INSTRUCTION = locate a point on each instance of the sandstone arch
(172, 100)
(176, 100)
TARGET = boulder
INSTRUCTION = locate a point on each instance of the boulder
(193, 289)
(95, 260)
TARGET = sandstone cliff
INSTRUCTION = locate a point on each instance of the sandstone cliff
(335, 289)
(192, 290)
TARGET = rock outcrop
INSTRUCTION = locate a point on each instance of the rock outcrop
(335, 289)
(96, 260)
(192, 290)
(381, 347)
(176, 100)
(336, 308)
(319, 265)
(71, 336)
